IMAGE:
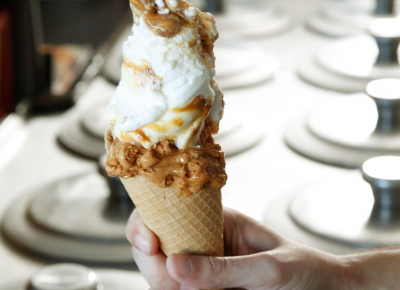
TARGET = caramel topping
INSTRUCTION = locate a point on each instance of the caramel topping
(178, 122)
(126, 137)
(169, 25)
(190, 170)
(143, 69)
(156, 127)
(165, 25)
(141, 135)
(199, 103)
(147, 160)
(141, 4)
(201, 108)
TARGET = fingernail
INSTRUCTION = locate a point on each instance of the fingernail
(142, 244)
(183, 265)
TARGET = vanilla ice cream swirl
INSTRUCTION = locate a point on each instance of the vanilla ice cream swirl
(167, 89)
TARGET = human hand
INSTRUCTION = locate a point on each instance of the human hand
(256, 258)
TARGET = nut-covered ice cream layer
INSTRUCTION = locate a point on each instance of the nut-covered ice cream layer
(167, 89)
(189, 170)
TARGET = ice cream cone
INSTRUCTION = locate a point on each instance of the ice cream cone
(187, 224)
(163, 114)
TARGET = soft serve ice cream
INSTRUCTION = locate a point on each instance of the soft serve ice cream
(167, 89)
(168, 104)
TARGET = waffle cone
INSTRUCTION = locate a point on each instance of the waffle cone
(183, 224)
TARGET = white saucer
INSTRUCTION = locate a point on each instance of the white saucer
(77, 207)
(343, 19)
(79, 139)
(59, 244)
(240, 63)
(312, 72)
(239, 131)
(347, 65)
(355, 57)
(111, 279)
(342, 210)
(251, 18)
(277, 217)
(339, 134)
(350, 122)
(320, 24)
(333, 215)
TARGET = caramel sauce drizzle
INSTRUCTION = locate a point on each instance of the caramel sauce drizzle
(126, 137)
(144, 69)
(177, 122)
(139, 4)
(141, 135)
(165, 25)
(199, 103)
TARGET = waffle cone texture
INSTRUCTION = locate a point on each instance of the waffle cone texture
(183, 224)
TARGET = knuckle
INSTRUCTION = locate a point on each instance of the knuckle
(218, 266)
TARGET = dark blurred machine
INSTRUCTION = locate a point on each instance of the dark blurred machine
(81, 21)
(51, 47)
(28, 65)
(47, 64)
(6, 81)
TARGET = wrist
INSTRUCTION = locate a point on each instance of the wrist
(334, 272)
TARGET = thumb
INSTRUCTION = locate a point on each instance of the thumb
(203, 272)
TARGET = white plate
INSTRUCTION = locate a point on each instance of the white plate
(111, 279)
(355, 57)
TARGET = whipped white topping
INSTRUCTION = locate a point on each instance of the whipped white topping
(161, 78)
(190, 13)
(160, 3)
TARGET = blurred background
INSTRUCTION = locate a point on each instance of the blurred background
(311, 130)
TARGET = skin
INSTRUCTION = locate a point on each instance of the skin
(259, 258)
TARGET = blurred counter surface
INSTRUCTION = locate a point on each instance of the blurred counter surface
(256, 177)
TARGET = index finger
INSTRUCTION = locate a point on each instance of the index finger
(140, 236)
